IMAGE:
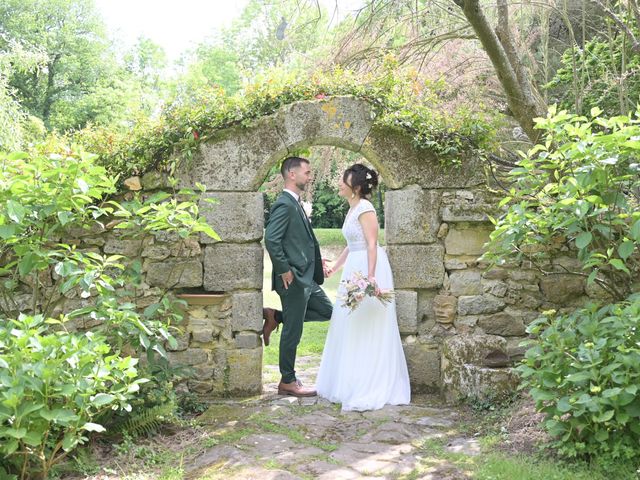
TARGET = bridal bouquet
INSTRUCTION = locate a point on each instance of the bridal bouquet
(357, 288)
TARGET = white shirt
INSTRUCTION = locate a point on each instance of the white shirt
(292, 193)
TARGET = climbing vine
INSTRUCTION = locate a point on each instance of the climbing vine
(401, 102)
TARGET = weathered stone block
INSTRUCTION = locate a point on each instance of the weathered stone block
(156, 252)
(232, 267)
(247, 311)
(494, 287)
(417, 266)
(465, 282)
(191, 356)
(423, 361)
(407, 311)
(466, 239)
(247, 340)
(400, 164)
(247, 152)
(467, 206)
(340, 121)
(154, 179)
(478, 304)
(121, 246)
(202, 330)
(464, 374)
(244, 372)
(175, 273)
(236, 217)
(502, 324)
(561, 288)
(421, 226)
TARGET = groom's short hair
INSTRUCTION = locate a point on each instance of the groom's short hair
(290, 163)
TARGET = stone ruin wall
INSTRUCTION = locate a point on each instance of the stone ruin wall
(461, 324)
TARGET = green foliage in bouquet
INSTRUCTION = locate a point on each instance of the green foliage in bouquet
(583, 374)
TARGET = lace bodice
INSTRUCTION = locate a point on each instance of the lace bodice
(351, 228)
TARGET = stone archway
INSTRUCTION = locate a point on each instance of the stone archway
(435, 228)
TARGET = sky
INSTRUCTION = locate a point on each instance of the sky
(182, 24)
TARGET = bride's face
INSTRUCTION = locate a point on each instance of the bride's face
(344, 188)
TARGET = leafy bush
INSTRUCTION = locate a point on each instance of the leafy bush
(44, 199)
(577, 191)
(583, 374)
(603, 74)
(53, 385)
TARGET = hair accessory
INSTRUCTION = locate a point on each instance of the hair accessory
(369, 178)
(370, 186)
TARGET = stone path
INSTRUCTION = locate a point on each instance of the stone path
(274, 437)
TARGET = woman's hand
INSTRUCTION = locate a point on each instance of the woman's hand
(372, 280)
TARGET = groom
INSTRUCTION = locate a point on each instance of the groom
(298, 272)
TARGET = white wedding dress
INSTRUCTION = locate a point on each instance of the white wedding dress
(363, 365)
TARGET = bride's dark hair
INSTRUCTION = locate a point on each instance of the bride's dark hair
(361, 176)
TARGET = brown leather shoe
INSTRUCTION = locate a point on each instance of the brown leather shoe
(295, 389)
(270, 324)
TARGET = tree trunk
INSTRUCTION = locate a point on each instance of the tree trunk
(48, 95)
(522, 98)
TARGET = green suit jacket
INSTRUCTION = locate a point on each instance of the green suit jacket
(291, 243)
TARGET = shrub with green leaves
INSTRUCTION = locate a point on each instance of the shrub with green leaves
(577, 191)
(53, 385)
(583, 374)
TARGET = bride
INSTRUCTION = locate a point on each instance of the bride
(363, 365)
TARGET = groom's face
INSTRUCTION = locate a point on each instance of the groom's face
(301, 176)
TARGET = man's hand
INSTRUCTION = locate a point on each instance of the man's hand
(326, 269)
(287, 279)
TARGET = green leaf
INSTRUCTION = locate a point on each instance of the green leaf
(58, 415)
(626, 249)
(65, 217)
(604, 417)
(8, 231)
(102, 399)
(69, 441)
(563, 405)
(618, 265)
(15, 432)
(15, 211)
(33, 438)
(579, 377)
(601, 435)
(635, 231)
(26, 264)
(583, 239)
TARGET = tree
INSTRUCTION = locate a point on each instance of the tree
(70, 34)
(519, 39)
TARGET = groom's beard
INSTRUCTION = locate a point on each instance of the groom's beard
(301, 186)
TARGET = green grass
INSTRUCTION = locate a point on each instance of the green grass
(499, 466)
(332, 237)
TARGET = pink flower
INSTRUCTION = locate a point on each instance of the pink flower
(196, 135)
(321, 96)
(362, 283)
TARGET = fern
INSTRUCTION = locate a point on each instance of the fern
(150, 420)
